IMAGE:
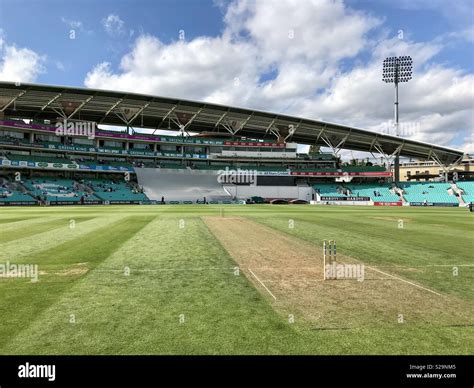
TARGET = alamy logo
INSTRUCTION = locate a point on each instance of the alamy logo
(37, 371)
(9, 270)
(76, 128)
(345, 271)
(238, 176)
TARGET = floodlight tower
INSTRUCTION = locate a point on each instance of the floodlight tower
(395, 70)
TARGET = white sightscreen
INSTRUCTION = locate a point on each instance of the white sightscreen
(181, 184)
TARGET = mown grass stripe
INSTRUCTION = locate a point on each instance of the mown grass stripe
(223, 312)
(43, 227)
(18, 249)
(36, 297)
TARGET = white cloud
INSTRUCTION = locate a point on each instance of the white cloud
(60, 66)
(114, 26)
(290, 56)
(293, 30)
(466, 34)
(19, 64)
(199, 69)
(74, 24)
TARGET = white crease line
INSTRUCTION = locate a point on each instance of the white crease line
(423, 266)
(406, 281)
(264, 286)
(319, 280)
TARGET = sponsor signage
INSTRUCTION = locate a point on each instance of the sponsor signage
(253, 144)
(62, 166)
(124, 203)
(118, 135)
(442, 204)
(18, 203)
(352, 199)
(342, 173)
(171, 154)
(387, 203)
(62, 203)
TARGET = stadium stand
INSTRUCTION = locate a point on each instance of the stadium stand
(378, 193)
(431, 192)
(468, 191)
(185, 168)
(13, 192)
(56, 189)
(113, 190)
(330, 190)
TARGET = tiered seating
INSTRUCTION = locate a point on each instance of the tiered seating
(376, 192)
(109, 190)
(432, 192)
(55, 189)
(329, 189)
(468, 189)
(9, 194)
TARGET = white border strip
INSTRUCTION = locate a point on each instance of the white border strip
(405, 281)
(264, 286)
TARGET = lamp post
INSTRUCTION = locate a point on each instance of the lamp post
(395, 70)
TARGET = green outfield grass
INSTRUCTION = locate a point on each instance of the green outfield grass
(156, 280)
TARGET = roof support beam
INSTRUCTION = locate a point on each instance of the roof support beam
(388, 158)
(221, 118)
(115, 105)
(165, 117)
(292, 130)
(13, 100)
(321, 132)
(270, 126)
(138, 113)
(51, 101)
(183, 128)
(335, 148)
(80, 107)
(233, 129)
(110, 110)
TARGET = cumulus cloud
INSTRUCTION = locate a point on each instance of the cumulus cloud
(199, 69)
(114, 26)
(19, 64)
(290, 56)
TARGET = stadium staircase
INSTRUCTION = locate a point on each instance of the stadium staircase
(329, 190)
(57, 190)
(110, 190)
(14, 192)
(431, 192)
(466, 191)
(377, 193)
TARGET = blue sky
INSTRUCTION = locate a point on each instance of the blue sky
(44, 28)
(315, 58)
